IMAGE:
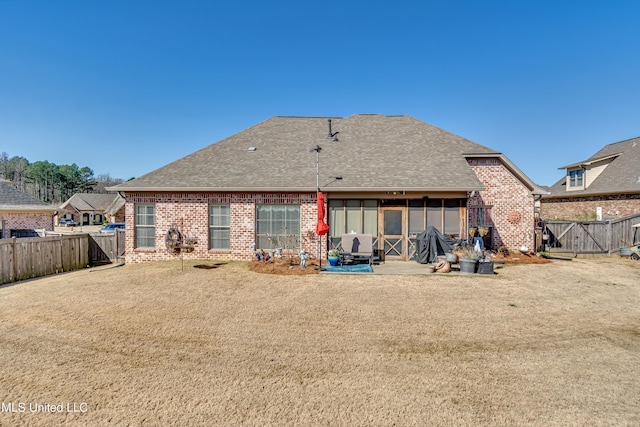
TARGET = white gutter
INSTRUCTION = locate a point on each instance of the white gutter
(288, 189)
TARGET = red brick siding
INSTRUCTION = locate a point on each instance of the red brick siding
(510, 199)
(118, 217)
(29, 221)
(190, 213)
(583, 208)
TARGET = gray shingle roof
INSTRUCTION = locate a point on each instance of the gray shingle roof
(621, 176)
(86, 202)
(116, 204)
(373, 153)
(12, 199)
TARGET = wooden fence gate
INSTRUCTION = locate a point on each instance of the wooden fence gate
(589, 237)
(105, 248)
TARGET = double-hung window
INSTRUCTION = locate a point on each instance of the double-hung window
(278, 226)
(480, 216)
(219, 225)
(576, 177)
(145, 226)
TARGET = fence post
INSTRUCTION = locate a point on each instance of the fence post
(15, 259)
(61, 254)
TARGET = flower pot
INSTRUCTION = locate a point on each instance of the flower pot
(485, 268)
(333, 260)
(468, 265)
(443, 267)
(451, 257)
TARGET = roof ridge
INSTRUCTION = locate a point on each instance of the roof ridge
(309, 117)
(623, 141)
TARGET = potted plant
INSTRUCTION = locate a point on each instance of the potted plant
(188, 245)
(451, 257)
(468, 259)
(333, 257)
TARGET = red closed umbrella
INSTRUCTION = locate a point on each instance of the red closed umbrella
(321, 228)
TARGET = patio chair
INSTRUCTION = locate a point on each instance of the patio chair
(359, 247)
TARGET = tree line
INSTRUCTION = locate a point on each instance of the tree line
(52, 183)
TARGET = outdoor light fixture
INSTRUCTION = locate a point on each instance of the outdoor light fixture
(317, 149)
(333, 179)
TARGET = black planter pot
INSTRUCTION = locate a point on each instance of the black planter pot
(468, 265)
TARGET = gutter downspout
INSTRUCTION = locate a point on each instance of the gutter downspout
(538, 198)
(470, 195)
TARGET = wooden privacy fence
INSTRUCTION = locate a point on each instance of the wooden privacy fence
(590, 237)
(106, 248)
(26, 258)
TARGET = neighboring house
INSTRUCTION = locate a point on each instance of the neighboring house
(115, 212)
(606, 185)
(257, 188)
(93, 208)
(22, 214)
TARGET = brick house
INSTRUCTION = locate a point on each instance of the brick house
(22, 214)
(93, 208)
(389, 176)
(606, 185)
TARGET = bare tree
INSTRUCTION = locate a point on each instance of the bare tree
(4, 163)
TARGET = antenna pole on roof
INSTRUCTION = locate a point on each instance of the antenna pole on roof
(317, 150)
(332, 134)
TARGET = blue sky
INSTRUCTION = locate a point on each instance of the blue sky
(125, 87)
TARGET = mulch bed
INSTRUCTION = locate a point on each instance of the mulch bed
(512, 257)
(287, 266)
(284, 266)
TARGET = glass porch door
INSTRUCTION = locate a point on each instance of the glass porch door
(393, 232)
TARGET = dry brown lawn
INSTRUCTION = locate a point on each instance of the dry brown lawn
(153, 344)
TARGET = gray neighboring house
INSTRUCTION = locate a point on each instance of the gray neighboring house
(93, 208)
(604, 186)
(22, 214)
(399, 175)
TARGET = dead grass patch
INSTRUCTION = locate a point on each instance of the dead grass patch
(159, 344)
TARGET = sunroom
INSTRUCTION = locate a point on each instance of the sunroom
(395, 223)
